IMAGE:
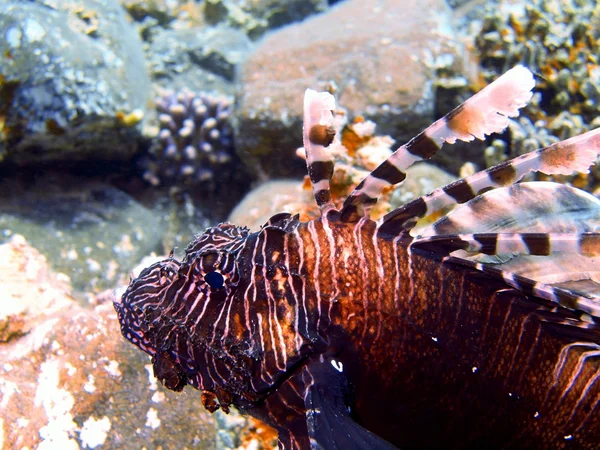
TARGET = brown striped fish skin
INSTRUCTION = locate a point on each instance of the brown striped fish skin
(432, 354)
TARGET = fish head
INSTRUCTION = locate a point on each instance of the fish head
(180, 313)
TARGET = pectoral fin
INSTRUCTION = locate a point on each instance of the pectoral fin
(330, 425)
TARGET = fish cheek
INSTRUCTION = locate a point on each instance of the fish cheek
(166, 370)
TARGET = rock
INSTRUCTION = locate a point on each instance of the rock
(29, 291)
(381, 57)
(161, 12)
(258, 16)
(202, 59)
(72, 80)
(88, 230)
(269, 199)
(74, 382)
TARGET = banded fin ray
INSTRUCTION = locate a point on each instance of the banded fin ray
(576, 154)
(540, 244)
(539, 206)
(485, 113)
(580, 273)
(318, 132)
(529, 207)
(571, 299)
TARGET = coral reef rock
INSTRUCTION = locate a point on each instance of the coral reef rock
(29, 290)
(92, 232)
(383, 58)
(271, 198)
(195, 139)
(73, 382)
(196, 58)
(560, 40)
(258, 16)
(73, 81)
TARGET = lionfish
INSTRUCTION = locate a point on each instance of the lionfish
(480, 331)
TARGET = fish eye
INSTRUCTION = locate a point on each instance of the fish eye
(214, 279)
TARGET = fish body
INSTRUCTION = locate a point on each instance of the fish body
(344, 332)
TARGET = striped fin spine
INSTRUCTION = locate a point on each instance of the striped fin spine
(500, 216)
(586, 303)
(318, 133)
(564, 270)
(486, 112)
(541, 244)
(576, 154)
(538, 206)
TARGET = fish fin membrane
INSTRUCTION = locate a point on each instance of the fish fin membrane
(329, 423)
(540, 244)
(586, 303)
(533, 207)
(544, 208)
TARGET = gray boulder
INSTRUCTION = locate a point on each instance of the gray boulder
(73, 81)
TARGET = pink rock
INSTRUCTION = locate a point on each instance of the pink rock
(381, 55)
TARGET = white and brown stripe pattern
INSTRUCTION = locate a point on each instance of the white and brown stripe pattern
(318, 133)
(486, 112)
(538, 206)
(562, 158)
(540, 244)
(586, 303)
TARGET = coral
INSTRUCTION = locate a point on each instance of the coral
(560, 41)
(195, 139)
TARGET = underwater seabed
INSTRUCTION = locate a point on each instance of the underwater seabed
(127, 127)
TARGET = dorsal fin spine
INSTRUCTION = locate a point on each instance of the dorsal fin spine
(318, 133)
(540, 244)
(562, 158)
(486, 112)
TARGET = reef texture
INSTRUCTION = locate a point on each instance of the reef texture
(196, 58)
(29, 290)
(559, 40)
(89, 231)
(73, 82)
(258, 16)
(253, 18)
(195, 140)
(393, 86)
